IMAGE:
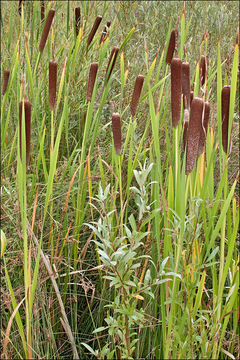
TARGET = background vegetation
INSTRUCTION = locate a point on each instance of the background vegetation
(117, 256)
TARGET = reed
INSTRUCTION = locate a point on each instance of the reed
(194, 129)
(136, 94)
(112, 61)
(204, 127)
(117, 134)
(203, 69)
(27, 115)
(171, 46)
(186, 84)
(94, 29)
(42, 10)
(225, 117)
(6, 74)
(104, 33)
(176, 90)
(77, 19)
(46, 29)
(91, 80)
(52, 83)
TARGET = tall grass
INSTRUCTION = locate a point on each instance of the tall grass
(120, 213)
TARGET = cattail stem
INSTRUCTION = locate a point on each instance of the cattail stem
(6, 74)
(136, 94)
(94, 29)
(52, 83)
(225, 117)
(117, 134)
(77, 20)
(171, 47)
(27, 116)
(194, 129)
(186, 84)
(91, 80)
(46, 29)
(176, 90)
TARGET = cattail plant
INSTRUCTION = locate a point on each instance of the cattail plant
(117, 134)
(27, 112)
(203, 69)
(77, 19)
(20, 7)
(52, 83)
(104, 33)
(194, 129)
(171, 46)
(46, 29)
(42, 10)
(136, 94)
(191, 97)
(176, 90)
(91, 80)
(225, 116)
(186, 84)
(204, 127)
(94, 29)
(6, 74)
(112, 60)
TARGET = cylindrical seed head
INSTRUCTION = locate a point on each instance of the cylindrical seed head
(186, 84)
(113, 55)
(203, 130)
(46, 29)
(91, 80)
(176, 90)
(52, 83)
(6, 74)
(117, 134)
(194, 128)
(191, 97)
(225, 116)
(42, 10)
(171, 47)
(104, 33)
(27, 112)
(203, 69)
(136, 94)
(77, 19)
(94, 29)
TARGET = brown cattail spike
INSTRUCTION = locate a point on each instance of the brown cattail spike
(194, 129)
(112, 60)
(91, 80)
(204, 127)
(225, 116)
(6, 74)
(46, 29)
(27, 112)
(117, 134)
(20, 4)
(42, 11)
(136, 94)
(186, 84)
(176, 90)
(171, 47)
(203, 69)
(104, 33)
(94, 29)
(77, 19)
(52, 83)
